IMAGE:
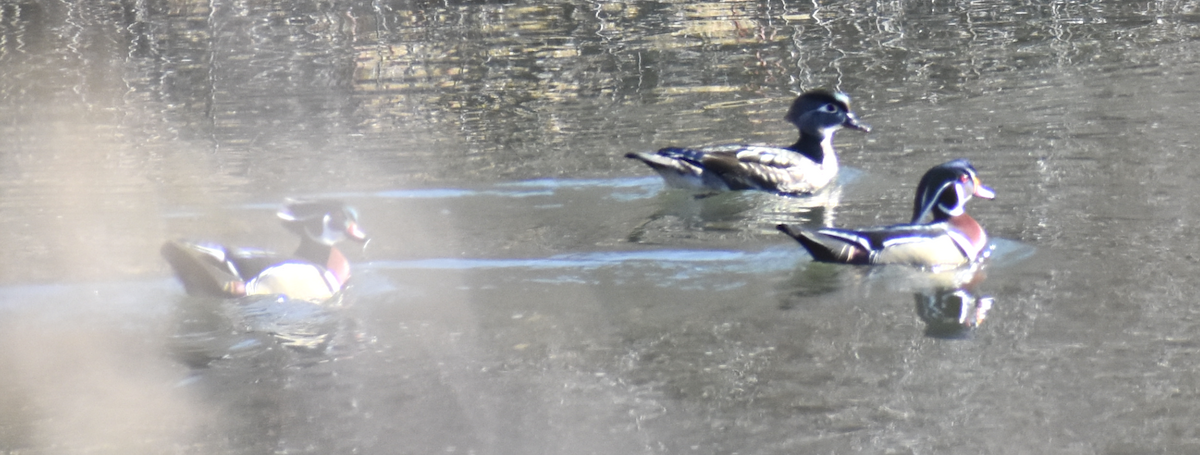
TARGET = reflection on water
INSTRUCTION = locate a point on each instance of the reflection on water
(531, 291)
(687, 217)
(951, 312)
(952, 307)
(947, 302)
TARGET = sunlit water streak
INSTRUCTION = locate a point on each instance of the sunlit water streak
(621, 189)
(696, 264)
(668, 268)
(126, 126)
(690, 264)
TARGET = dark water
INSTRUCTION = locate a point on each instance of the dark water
(528, 290)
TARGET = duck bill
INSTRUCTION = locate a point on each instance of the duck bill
(983, 191)
(853, 123)
(354, 233)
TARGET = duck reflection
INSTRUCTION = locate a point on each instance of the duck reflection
(684, 215)
(948, 302)
(248, 327)
(951, 313)
(953, 308)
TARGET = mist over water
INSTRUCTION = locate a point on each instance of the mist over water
(528, 290)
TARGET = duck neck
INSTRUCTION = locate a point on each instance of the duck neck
(816, 147)
(325, 256)
(313, 251)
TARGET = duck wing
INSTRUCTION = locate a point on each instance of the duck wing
(926, 245)
(738, 167)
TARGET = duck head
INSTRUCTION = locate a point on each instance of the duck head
(821, 113)
(324, 222)
(945, 189)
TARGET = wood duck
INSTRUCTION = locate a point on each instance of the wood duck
(804, 167)
(949, 238)
(315, 272)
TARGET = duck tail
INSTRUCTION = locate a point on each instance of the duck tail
(660, 161)
(826, 248)
(679, 168)
(203, 270)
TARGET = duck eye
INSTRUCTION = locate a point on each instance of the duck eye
(828, 108)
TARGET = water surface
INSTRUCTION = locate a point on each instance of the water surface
(528, 290)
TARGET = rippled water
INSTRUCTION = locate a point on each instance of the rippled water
(528, 290)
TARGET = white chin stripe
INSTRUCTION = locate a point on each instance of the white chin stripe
(952, 211)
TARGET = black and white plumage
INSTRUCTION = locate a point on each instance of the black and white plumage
(802, 168)
(315, 272)
(940, 234)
